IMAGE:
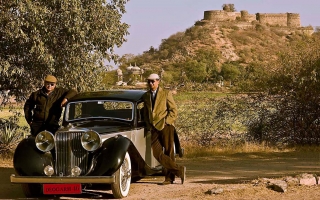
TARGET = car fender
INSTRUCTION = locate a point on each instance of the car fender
(28, 160)
(110, 156)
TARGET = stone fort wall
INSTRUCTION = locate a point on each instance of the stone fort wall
(272, 19)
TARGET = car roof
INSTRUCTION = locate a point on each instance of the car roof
(122, 95)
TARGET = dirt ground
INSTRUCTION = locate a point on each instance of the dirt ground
(232, 174)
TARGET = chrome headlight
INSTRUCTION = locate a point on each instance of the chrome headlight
(90, 140)
(48, 170)
(44, 141)
(75, 171)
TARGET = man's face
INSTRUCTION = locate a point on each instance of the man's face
(153, 84)
(49, 86)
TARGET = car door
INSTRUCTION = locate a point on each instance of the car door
(145, 137)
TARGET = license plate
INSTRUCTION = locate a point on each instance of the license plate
(74, 188)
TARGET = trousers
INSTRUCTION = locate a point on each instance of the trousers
(162, 143)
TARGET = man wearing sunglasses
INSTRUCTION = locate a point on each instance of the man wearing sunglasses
(160, 113)
(44, 107)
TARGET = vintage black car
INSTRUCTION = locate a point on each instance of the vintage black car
(102, 140)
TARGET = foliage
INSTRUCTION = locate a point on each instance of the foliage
(202, 66)
(252, 78)
(109, 78)
(67, 38)
(287, 115)
(228, 7)
(230, 71)
(10, 135)
(206, 120)
(295, 83)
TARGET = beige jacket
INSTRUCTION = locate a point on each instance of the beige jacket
(165, 109)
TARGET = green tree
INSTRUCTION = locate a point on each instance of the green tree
(230, 72)
(195, 71)
(71, 39)
(209, 58)
(229, 7)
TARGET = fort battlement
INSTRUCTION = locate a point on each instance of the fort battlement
(220, 15)
(271, 19)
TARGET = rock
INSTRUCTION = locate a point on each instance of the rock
(307, 179)
(214, 191)
(291, 181)
(277, 185)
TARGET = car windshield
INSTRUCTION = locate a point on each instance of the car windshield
(99, 109)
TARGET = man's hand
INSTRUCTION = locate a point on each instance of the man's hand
(64, 101)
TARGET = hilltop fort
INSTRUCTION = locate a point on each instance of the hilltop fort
(244, 19)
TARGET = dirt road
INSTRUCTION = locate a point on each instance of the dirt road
(231, 173)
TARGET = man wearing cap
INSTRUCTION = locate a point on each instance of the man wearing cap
(160, 113)
(44, 107)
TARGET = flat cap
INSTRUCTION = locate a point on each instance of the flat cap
(153, 77)
(51, 79)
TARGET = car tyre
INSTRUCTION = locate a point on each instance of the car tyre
(32, 190)
(121, 186)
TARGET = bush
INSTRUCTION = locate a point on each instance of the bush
(10, 135)
(295, 83)
(207, 120)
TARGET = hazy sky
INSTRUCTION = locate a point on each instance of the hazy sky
(153, 20)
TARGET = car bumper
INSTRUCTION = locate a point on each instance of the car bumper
(57, 179)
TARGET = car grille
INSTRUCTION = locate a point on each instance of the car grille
(70, 153)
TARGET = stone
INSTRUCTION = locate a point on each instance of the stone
(214, 191)
(307, 179)
(291, 181)
(277, 185)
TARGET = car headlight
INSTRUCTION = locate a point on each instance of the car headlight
(44, 141)
(90, 140)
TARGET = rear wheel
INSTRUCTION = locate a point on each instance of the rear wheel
(32, 190)
(120, 188)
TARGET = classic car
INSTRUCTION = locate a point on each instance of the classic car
(102, 140)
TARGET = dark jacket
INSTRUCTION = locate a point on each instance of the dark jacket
(41, 107)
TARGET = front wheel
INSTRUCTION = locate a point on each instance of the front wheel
(120, 188)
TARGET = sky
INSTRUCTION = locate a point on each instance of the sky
(153, 20)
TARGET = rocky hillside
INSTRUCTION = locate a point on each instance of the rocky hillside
(228, 43)
(242, 45)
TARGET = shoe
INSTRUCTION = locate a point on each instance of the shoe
(183, 174)
(181, 152)
(166, 182)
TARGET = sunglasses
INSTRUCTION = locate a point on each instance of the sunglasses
(51, 84)
(151, 81)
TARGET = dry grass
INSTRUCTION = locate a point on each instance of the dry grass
(192, 151)
(6, 161)
(6, 113)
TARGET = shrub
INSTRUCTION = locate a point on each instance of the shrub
(207, 120)
(295, 83)
(10, 135)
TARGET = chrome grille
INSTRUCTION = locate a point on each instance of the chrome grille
(70, 153)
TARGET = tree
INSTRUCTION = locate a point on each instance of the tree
(294, 85)
(230, 72)
(70, 39)
(195, 71)
(229, 7)
(209, 58)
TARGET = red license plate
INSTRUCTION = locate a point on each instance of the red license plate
(74, 188)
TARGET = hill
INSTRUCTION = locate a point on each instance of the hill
(211, 51)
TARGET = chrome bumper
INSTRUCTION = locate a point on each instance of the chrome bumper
(57, 179)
